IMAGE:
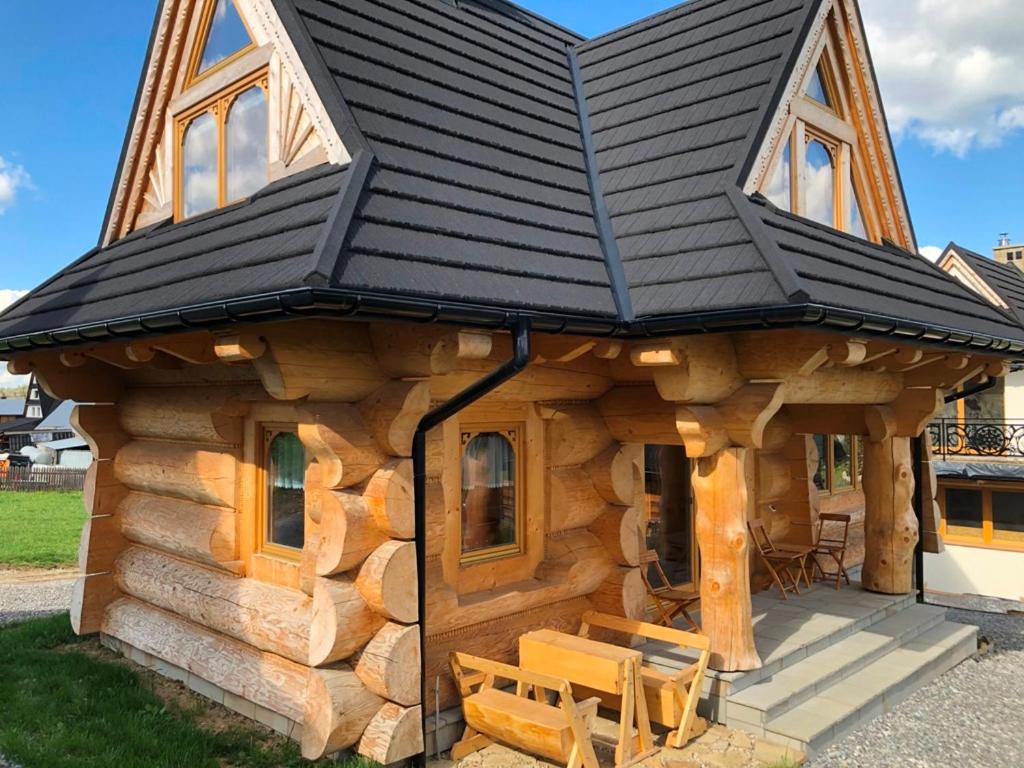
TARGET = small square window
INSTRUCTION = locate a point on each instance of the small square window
(964, 512)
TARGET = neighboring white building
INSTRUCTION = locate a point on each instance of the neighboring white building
(979, 446)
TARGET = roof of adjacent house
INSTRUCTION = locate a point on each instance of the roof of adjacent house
(1005, 279)
(12, 406)
(504, 166)
(59, 419)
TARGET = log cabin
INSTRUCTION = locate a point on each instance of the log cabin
(403, 310)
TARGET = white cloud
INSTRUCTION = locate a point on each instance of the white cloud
(931, 252)
(951, 71)
(8, 297)
(13, 178)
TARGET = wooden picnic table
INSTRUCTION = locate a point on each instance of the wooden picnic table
(600, 667)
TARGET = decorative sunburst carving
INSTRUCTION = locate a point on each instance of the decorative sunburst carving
(298, 134)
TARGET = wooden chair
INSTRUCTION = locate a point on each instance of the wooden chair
(669, 601)
(786, 565)
(671, 699)
(832, 546)
(559, 732)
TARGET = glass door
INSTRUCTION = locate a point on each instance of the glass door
(669, 513)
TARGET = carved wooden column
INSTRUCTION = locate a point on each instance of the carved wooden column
(890, 525)
(721, 485)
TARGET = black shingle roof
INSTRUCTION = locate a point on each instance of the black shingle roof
(502, 164)
(1005, 279)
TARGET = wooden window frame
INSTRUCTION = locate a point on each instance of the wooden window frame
(219, 106)
(811, 120)
(986, 539)
(202, 35)
(496, 572)
(266, 432)
(830, 467)
(513, 432)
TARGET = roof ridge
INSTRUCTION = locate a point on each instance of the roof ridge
(785, 276)
(330, 246)
(632, 27)
(605, 232)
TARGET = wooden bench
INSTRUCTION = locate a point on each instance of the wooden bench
(671, 698)
(559, 732)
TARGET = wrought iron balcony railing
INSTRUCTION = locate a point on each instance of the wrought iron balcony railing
(977, 438)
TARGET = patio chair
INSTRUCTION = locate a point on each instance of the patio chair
(559, 732)
(833, 546)
(785, 564)
(671, 697)
(669, 601)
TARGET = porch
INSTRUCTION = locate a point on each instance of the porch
(832, 660)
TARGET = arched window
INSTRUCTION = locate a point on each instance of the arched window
(817, 172)
(284, 507)
(221, 153)
(491, 495)
(246, 170)
(199, 165)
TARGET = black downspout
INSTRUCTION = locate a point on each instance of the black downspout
(490, 382)
(917, 452)
(975, 390)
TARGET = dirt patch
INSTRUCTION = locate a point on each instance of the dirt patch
(10, 575)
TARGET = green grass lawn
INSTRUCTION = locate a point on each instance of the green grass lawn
(40, 530)
(68, 703)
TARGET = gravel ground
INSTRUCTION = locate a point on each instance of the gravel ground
(21, 599)
(972, 716)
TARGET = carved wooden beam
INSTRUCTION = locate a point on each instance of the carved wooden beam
(90, 381)
(235, 348)
(747, 413)
(692, 369)
(423, 351)
(193, 348)
(915, 408)
(702, 430)
(841, 419)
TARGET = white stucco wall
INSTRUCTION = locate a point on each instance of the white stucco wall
(976, 571)
(1014, 396)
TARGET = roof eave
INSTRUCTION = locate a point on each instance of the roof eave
(356, 305)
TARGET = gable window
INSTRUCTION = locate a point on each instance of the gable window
(817, 171)
(224, 37)
(491, 493)
(282, 508)
(222, 142)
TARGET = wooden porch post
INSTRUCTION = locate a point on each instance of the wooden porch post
(721, 484)
(890, 525)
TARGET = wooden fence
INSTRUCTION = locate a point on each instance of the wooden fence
(41, 479)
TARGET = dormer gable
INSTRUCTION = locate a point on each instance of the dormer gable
(827, 155)
(956, 265)
(225, 107)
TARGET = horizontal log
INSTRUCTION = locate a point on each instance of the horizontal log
(393, 735)
(619, 530)
(102, 492)
(99, 427)
(388, 497)
(576, 434)
(342, 443)
(90, 597)
(575, 502)
(191, 414)
(774, 477)
(337, 711)
(263, 615)
(622, 594)
(192, 531)
(425, 351)
(616, 473)
(348, 532)
(394, 412)
(639, 415)
(178, 470)
(100, 544)
(263, 678)
(342, 622)
(388, 581)
(322, 360)
(390, 664)
(577, 563)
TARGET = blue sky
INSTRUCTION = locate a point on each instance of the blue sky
(71, 69)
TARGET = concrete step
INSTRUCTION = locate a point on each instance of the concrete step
(807, 678)
(874, 690)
